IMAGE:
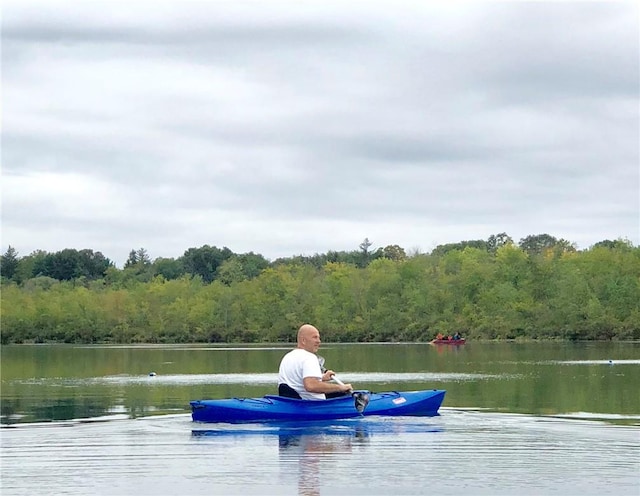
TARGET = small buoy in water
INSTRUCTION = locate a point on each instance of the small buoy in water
(152, 374)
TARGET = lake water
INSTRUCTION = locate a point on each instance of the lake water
(533, 418)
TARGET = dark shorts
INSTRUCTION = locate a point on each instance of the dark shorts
(287, 391)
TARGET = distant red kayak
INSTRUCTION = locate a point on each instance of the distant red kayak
(449, 341)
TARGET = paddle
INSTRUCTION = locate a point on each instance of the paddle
(361, 399)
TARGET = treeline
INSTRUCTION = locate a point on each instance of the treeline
(540, 288)
(209, 263)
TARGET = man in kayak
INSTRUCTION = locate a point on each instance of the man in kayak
(300, 374)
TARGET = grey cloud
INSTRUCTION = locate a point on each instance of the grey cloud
(488, 118)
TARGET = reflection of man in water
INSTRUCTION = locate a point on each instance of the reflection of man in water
(308, 453)
(300, 375)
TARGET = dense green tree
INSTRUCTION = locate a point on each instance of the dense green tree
(252, 264)
(446, 248)
(168, 268)
(394, 252)
(341, 303)
(495, 241)
(138, 258)
(333, 256)
(275, 296)
(65, 265)
(230, 271)
(139, 266)
(317, 260)
(132, 260)
(62, 265)
(204, 261)
(537, 244)
(387, 310)
(9, 263)
(28, 266)
(92, 265)
(618, 244)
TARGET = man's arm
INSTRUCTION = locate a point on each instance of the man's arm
(316, 385)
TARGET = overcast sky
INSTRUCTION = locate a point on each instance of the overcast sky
(303, 127)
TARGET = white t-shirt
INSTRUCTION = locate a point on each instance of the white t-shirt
(295, 366)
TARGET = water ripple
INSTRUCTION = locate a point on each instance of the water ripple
(493, 454)
(194, 379)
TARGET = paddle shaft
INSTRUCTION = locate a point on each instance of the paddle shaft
(333, 376)
(361, 399)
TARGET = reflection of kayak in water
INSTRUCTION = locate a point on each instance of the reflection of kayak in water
(448, 341)
(272, 408)
(358, 427)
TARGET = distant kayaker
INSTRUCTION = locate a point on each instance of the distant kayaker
(300, 374)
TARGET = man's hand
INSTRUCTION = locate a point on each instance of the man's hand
(345, 388)
(328, 375)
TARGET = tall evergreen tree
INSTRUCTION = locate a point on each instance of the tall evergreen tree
(9, 263)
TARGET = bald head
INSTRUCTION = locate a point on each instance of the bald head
(308, 338)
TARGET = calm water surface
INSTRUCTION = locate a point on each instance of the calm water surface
(517, 419)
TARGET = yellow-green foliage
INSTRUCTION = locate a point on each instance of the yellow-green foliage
(592, 294)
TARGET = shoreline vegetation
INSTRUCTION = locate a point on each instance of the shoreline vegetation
(539, 289)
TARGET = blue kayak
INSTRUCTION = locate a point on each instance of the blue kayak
(273, 408)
